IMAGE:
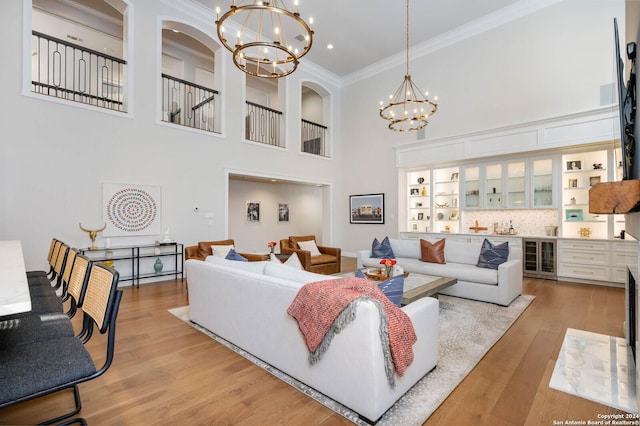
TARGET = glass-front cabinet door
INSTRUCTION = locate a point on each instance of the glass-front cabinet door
(516, 183)
(472, 187)
(494, 195)
(542, 183)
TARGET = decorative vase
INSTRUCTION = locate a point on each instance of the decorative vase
(388, 271)
(158, 266)
(271, 249)
(424, 191)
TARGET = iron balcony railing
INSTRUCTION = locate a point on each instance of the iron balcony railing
(68, 71)
(263, 125)
(313, 138)
(189, 104)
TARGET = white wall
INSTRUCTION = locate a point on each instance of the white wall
(547, 64)
(305, 213)
(54, 157)
(312, 106)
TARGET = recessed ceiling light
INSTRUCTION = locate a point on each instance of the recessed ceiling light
(329, 46)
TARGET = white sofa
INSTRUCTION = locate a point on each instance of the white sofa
(499, 286)
(246, 303)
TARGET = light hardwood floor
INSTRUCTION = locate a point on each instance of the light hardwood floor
(166, 372)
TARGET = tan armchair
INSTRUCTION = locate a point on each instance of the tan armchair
(327, 263)
(203, 249)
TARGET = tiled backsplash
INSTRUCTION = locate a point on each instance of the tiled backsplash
(525, 222)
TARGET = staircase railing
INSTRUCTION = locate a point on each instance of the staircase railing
(313, 138)
(263, 124)
(69, 71)
(189, 104)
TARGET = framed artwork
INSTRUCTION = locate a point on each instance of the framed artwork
(454, 176)
(453, 215)
(420, 216)
(131, 209)
(283, 212)
(368, 208)
(253, 211)
(574, 165)
(573, 183)
(573, 214)
(593, 180)
(414, 191)
(414, 227)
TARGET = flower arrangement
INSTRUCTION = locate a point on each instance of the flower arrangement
(271, 245)
(388, 265)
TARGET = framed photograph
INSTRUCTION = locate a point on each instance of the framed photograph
(593, 180)
(283, 212)
(574, 165)
(253, 211)
(454, 176)
(414, 191)
(573, 183)
(368, 208)
(414, 227)
(420, 216)
(573, 214)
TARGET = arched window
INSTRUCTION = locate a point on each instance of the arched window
(190, 94)
(78, 52)
(316, 113)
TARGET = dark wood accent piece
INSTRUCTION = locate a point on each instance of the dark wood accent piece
(615, 197)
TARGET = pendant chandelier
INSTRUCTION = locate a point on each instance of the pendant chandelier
(271, 39)
(408, 109)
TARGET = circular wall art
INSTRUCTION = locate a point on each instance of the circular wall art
(132, 210)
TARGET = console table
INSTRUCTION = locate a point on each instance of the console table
(137, 262)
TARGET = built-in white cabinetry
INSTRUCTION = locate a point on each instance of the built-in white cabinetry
(508, 185)
(588, 260)
(419, 200)
(446, 208)
(465, 238)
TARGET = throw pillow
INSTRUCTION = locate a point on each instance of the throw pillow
(221, 251)
(392, 288)
(491, 256)
(432, 253)
(293, 261)
(309, 246)
(233, 255)
(382, 250)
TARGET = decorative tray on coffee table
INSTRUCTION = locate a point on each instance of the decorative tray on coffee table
(378, 275)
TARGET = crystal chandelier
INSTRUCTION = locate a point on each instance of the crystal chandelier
(261, 47)
(408, 108)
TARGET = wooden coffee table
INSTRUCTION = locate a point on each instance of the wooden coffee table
(417, 286)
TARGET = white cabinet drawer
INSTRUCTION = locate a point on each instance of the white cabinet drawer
(583, 245)
(584, 257)
(618, 275)
(589, 272)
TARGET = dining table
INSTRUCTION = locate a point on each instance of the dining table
(14, 287)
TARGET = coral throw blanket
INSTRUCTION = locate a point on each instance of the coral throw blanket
(322, 309)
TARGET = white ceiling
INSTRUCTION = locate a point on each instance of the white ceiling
(363, 32)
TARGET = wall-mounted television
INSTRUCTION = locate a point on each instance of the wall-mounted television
(626, 107)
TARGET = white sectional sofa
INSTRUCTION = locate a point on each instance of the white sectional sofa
(246, 303)
(499, 286)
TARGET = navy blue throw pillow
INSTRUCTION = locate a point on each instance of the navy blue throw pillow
(392, 288)
(382, 250)
(233, 255)
(491, 256)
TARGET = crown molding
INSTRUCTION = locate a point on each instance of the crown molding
(471, 29)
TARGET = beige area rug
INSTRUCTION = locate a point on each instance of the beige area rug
(468, 329)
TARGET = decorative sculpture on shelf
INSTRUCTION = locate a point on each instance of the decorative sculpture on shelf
(93, 233)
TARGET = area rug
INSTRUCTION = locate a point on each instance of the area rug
(468, 329)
